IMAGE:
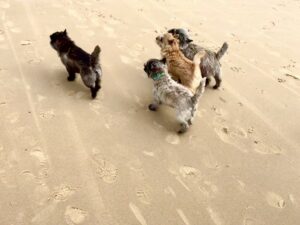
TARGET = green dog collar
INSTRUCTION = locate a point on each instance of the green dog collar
(157, 76)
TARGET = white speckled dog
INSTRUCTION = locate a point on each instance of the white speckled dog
(169, 92)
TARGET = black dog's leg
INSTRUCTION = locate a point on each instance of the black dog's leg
(94, 90)
(72, 74)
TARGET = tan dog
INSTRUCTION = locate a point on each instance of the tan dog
(182, 69)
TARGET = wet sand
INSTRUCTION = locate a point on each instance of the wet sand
(67, 159)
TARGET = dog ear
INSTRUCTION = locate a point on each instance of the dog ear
(171, 41)
(171, 31)
(163, 60)
(176, 36)
(189, 40)
(65, 32)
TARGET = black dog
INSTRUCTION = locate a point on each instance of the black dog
(77, 60)
(210, 65)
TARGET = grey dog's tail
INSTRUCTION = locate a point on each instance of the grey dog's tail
(222, 51)
(199, 91)
(95, 56)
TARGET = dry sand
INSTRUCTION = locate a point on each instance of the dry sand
(65, 159)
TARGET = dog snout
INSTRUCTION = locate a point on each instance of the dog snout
(158, 38)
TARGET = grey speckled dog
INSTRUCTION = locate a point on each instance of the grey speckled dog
(169, 92)
(77, 60)
(210, 65)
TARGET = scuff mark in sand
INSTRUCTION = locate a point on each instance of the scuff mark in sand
(182, 183)
(214, 216)
(137, 213)
(183, 217)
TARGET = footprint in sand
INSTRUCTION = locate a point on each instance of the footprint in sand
(62, 193)
(75, 215)
(275, 200)
(264, 149)
(232, 135)
(47, 115)
(143, 195)
(173, 139)
(106, 170)
(189, 172)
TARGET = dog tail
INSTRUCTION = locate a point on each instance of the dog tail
(222, 51)
(95, 56)
(199, 91)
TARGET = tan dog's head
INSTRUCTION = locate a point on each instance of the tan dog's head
(168, 42)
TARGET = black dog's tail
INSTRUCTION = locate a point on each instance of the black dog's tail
(222, 51)
(95, 56)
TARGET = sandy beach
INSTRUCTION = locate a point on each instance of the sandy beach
(68, 159)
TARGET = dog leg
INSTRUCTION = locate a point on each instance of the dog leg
(72, 74)
(154, 106)
(218, 80)
(185, 119)
(207, 82)
(94, 90)
(183, 128)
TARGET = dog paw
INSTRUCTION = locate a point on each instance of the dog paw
(152, 107)
(216, 87)
(71, 78)
(182, 130)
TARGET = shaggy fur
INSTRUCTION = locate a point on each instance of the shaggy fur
(169, 92)
(210, 65)
(77, 60)
(181, 68)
